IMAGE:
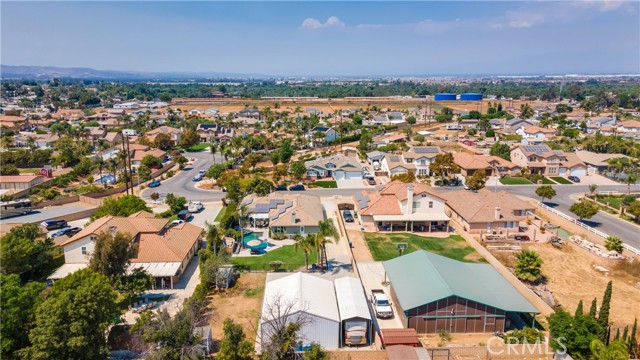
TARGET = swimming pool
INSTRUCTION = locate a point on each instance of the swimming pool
(107, 179)
(254, 236)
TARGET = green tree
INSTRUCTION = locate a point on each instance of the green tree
(501, 150)
(234, 344)
(530, 335)
(571, 133)
(71, 323)
(17, 312)
(9, 169)
(477, 180)
(614, 243)
(443, 165)
(579, 309)
(144, 173)
(111, 254)
(411, 120)
(593, 309)
(214, 171)
(151, 161)
(282, 343)
(572, 333)
(25, 251)
(176, 203)
(315, 352)
(528, 264)
(306, 244)
(603, 314)
(592, 188)
(189, 138)
(285, 151)
(327, 232)
(163, 141)
(259, 186)
(298, 170)
(584, 209)
(616, 350)
(365, 144)
(234, 192)
(419, 139)
(545, 192)
(473, 114)
(122, 206)
(133, 284)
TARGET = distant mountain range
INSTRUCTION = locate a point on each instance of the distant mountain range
(50, 72)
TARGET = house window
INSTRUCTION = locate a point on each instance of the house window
(84, 250)
(409, 160)
(416, 205)
(430, 204)
(423, 172)
(424, 195)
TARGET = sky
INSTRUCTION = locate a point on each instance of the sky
(305, 38)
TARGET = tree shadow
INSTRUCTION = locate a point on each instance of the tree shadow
(551, 204)
(590, 223)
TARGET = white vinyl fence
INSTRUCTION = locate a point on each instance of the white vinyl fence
(587, 227)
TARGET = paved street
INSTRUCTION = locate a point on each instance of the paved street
(181, 184)
(47, 213)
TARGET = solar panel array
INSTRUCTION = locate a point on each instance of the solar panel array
(536, 148)
(394, 158)
(425, 150)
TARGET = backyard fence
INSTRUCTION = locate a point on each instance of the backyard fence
(587, 227)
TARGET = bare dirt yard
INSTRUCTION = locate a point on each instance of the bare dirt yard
(571, 278)
(241, 303)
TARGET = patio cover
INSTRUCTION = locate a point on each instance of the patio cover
(413, 217)
(158, 269)
(66, 269)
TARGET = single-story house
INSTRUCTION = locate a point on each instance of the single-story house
(435, 293)
(19, 182)
(596, 163)
(404, 207)
(486, 211)
(338, 167)
(303, 298)
(289, 214)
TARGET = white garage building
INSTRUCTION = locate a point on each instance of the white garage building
(304, 298)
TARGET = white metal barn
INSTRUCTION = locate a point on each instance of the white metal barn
(355, 317)
(306, 296)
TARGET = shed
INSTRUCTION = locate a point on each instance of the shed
(302, 296)
(355, 318)
(436, 293)
(390, 337)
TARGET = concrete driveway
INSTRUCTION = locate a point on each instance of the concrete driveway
(597, 179)
(208, 214)
(353, 184)
(372, 274)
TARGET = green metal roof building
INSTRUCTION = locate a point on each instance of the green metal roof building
(434, 293)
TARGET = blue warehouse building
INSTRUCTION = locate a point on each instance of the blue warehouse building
(445, 97)
(470, 97)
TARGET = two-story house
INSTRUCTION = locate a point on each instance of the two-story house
(534, 134)
(162, 250)
(328, 134)
(491, 165)
(540, 159)
(421, 157)
(404, 207)
(174, 134)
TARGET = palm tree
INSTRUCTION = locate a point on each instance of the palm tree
(213, 236)
(243, 215)
(304, 243)
(327, 232)
(113, 164)
(100, 164)
(616, 350)
(592, 188)
(528, 265)
(213, 149)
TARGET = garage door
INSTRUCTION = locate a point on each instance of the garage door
(338, 175)
(352, 175)
(578, 172)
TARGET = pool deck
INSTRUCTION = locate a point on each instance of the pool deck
(273, 245)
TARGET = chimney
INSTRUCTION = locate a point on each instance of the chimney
(112, 230)
(498, 214)
(409, 208)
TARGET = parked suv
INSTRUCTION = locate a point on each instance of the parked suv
(575, 179)
(298, 187)
(348, 217)
(53, 224)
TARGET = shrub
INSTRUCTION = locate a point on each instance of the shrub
(531, 336)
(444, 335)
(275, 265)
(170, 173)
(155, 196)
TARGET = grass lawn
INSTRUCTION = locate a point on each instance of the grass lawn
(221, 214)
(613, 201)
(383, 246)
(329, 184)
(507, 180)
(198, 147)
(561, 180)
(291, 259)
(548, 181)
(29, 171)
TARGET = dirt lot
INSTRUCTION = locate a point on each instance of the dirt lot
(241, 303)
(571, 278)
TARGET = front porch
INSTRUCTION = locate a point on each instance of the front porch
(416, 222)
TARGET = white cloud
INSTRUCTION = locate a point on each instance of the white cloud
(314, 24)
(369, 26)
(600, 5)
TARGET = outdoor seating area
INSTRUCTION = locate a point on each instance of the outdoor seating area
(142, 305)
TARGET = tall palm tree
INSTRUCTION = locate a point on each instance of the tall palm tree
(213, 236)
(243, 216)
(327, 232)
(100, 164)
(213, 149)
(306, 244)
(113, 164)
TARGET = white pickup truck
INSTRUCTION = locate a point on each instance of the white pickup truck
(195, 206)
(381, 304)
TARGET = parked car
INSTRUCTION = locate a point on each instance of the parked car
(201, 172)
(53, 224)
(195, 206)
(154, 183)
(381, 304)
(298, 187)
(197, 177)
(177, 222)
(348, 216)
(183, 214)
(575, 179)
(467, 187)
(281, 188)
(371, 181)
(69, 231)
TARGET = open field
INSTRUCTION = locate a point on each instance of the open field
(291, 259)
(383, 246)
(241, 303)
(507, 180)
(571, 278)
